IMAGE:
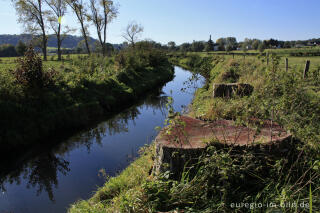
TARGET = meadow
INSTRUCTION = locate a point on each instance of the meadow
(295, 62)
(10, 63)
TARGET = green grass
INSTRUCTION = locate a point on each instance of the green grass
(280, 51)
(81, 90)
(227, 175)
(7, 63)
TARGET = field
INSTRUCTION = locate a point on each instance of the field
(295, 62)
(7, 63)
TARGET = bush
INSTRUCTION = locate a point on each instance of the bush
(7, 50)
(140, 57)
(29, 72)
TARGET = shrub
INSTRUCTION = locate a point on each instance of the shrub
(140, 57)
(29, 72)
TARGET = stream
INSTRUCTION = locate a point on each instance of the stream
(54, 178)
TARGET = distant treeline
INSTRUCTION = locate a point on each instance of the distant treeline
(11, 50)
(231, 43)
(8, 50)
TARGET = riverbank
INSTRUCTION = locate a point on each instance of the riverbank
(91, 88)
(224, 176)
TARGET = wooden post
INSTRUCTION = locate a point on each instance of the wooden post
(267, 58)
(306, 69)
(287, 65)
(233, 55)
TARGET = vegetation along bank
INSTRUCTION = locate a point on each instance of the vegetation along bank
(38, 100)
(228, 175)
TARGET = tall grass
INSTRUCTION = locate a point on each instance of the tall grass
(81, 90)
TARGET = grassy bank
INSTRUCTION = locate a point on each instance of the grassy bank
(279, 95)
(226, 178)
(40, 101)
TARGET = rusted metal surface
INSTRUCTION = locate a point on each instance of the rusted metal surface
(195, 133)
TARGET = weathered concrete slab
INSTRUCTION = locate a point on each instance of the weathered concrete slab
(190, 137)
(229, 90)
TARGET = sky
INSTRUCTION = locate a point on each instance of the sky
(188, 20)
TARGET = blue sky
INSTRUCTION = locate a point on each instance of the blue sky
(188, 20)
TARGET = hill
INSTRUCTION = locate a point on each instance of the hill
(70, 41)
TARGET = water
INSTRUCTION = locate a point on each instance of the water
(58, 176)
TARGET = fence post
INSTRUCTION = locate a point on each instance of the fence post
(287, 65)
(306, 69)
(267, 58)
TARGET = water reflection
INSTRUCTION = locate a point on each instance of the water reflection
(71, 170)
(41, 173)
(40, 169)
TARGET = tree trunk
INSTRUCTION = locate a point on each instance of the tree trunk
(101, 42)
(59, 43)
(44, 36)
(44, 47)
(59, 50)
(84, 34)
(103, 48)
(104, 30)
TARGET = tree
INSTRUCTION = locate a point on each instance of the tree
(80, 9)
(209, 45)
(229, 47)
(231, 43)
(7, 50)
(132, 32)
(32, 14)
(271, 43)
(59, 9)
(256, 44)
(21, 48)
(197, 46)
(102, 13)
(172, 45)
(262, 47)
(221, 43)
(244, 46)
(185, 47)
(97, 48)
(287, 44)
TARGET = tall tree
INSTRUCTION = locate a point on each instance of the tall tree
(59, 9)
(231, 43)
(33, 15)
(21, 48)
(197, 46)
(256, 44)
(102, 14)
(80, 10)
(185, 47)
(132, 32)
(172, 45)
(221, 42)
